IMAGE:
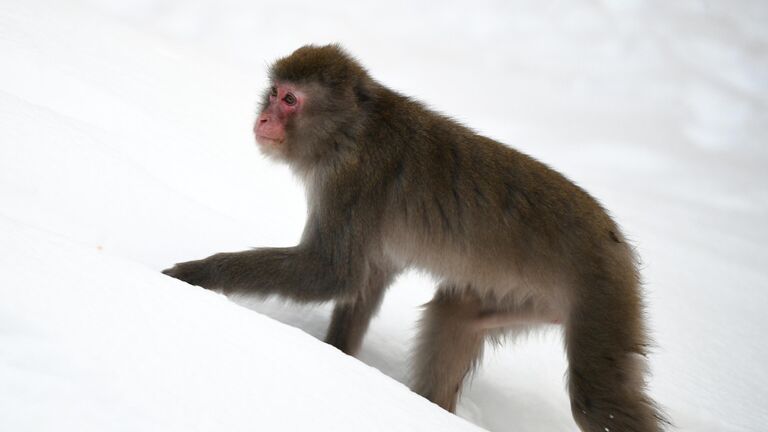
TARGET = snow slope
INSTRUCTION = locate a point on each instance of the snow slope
(92, 342)
(125, 146)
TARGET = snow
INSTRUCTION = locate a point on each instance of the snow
(86, 350)
(126, 146)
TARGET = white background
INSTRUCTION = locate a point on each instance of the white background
(125, 146)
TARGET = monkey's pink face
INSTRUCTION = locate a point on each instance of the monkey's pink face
(285, 101)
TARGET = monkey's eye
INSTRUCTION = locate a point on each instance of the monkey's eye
(273, 91)
(290, 99)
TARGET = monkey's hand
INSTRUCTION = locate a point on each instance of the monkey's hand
(288, 271)
(202, 272)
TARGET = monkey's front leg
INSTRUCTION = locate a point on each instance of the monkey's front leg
(290, 272)
(350, 320)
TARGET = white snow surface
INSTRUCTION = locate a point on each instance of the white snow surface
(125, 147)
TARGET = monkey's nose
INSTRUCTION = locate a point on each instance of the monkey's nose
(260, 122)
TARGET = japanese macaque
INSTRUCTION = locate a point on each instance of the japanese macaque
(391, 185)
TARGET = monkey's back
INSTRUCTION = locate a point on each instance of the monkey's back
(464, 205)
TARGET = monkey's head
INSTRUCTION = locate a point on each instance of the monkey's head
(315, 105)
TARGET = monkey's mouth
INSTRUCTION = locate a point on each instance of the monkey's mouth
(267, 140)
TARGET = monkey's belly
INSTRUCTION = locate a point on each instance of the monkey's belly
(512, 281)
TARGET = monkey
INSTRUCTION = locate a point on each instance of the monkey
(391, 185)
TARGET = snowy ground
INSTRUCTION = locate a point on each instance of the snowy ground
(125, 146)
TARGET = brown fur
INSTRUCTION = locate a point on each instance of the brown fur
(393, 185)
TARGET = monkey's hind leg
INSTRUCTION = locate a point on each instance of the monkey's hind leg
(448, 347)
(606, 344)
(350, 320)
